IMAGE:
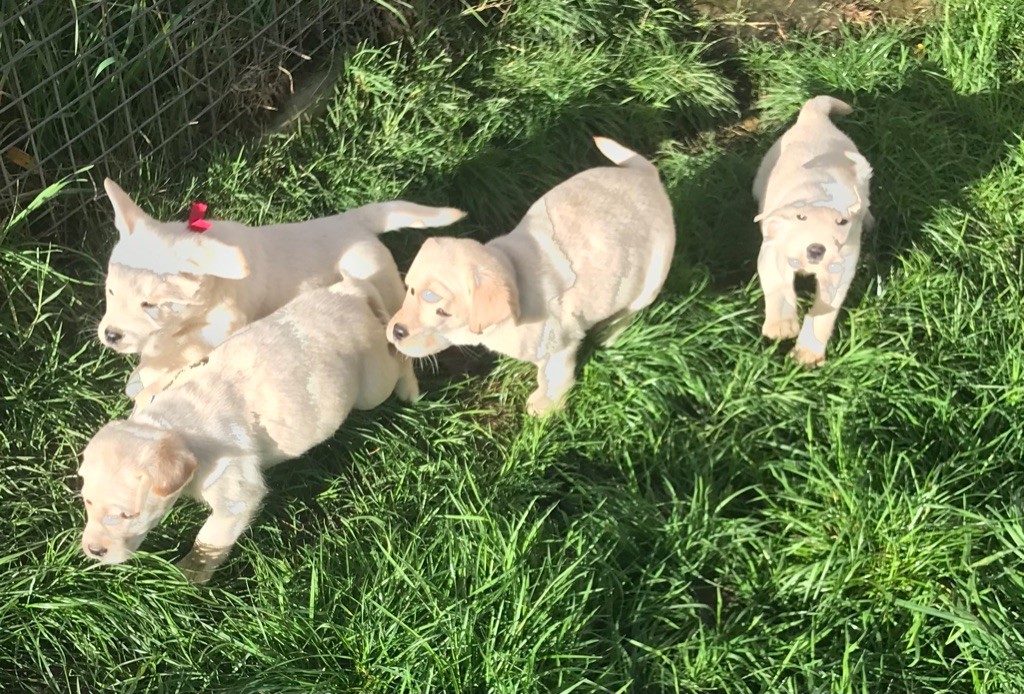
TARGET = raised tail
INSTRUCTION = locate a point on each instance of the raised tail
(825, 106)
(380, 217)
(622, 156)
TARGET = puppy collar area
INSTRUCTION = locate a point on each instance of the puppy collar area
(197, 221)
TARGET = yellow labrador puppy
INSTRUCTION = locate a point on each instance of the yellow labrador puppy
(269, 393)
(594, 250)
(812, 190)
(175, 290)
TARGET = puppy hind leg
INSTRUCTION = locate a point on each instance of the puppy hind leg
(613, 328)
(555, 376)
(657, 272)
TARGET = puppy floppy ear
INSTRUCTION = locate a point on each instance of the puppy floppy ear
(144, 484)
(493, 299)
(212, 257)
(862, 173)
(127, 214)
(770, 224)
(174, 466)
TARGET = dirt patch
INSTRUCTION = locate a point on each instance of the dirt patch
(765, 18)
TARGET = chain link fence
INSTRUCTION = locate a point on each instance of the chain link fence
(140, 87)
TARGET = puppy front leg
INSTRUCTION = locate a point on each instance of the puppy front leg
(407, 388)
(780, 317)
(555, 376)
(821, 318)
(233, 507)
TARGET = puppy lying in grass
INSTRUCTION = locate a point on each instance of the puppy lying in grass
(594, 250)
(269, 393)
(812, 190)
(173, 294)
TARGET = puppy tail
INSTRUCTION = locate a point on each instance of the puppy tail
(825, 106)
(380, 217)
(622, 156)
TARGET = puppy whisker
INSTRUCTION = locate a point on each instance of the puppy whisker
(428, 364)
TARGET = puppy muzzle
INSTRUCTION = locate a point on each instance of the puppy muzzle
(815, 252)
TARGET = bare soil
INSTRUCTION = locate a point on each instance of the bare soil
(767, 17)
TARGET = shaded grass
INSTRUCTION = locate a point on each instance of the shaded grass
(704, 516)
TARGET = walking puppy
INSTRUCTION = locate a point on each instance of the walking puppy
(173, 294)
(268, 394)
(594, 250)
(812, 190)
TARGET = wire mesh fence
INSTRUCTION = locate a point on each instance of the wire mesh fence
(134, 85)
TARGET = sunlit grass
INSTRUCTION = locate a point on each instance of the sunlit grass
(704, 516)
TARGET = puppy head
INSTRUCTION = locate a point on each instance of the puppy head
(808, 238)
(457, 290)
(131, 476)
(140, 303)
(160, 275)
(828, 214)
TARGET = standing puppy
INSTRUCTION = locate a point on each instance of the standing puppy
(268, 394)
(812, 192)
(594, 250)
(175, 290)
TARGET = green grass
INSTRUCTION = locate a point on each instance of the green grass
(705, 516)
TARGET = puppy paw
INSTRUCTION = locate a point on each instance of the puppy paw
(784, 329)
(408, 388)
(134, 386)
(539, 404)
(195, 568)
(408, 393)
(807, 358)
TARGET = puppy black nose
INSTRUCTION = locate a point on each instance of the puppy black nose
(97, 551)
(399, 331)
(113, 337)
(815, 252)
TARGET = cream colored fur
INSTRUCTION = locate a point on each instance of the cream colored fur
(269, 393)
(812, 190)
(594, 250)
(173, 294)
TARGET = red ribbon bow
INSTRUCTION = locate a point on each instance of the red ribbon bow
(196, 221)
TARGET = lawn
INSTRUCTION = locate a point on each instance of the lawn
(705, 516)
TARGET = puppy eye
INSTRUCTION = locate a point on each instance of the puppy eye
(802, 217)
(146, 304)
(444, 314)
(128, 516)
(842, 222)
